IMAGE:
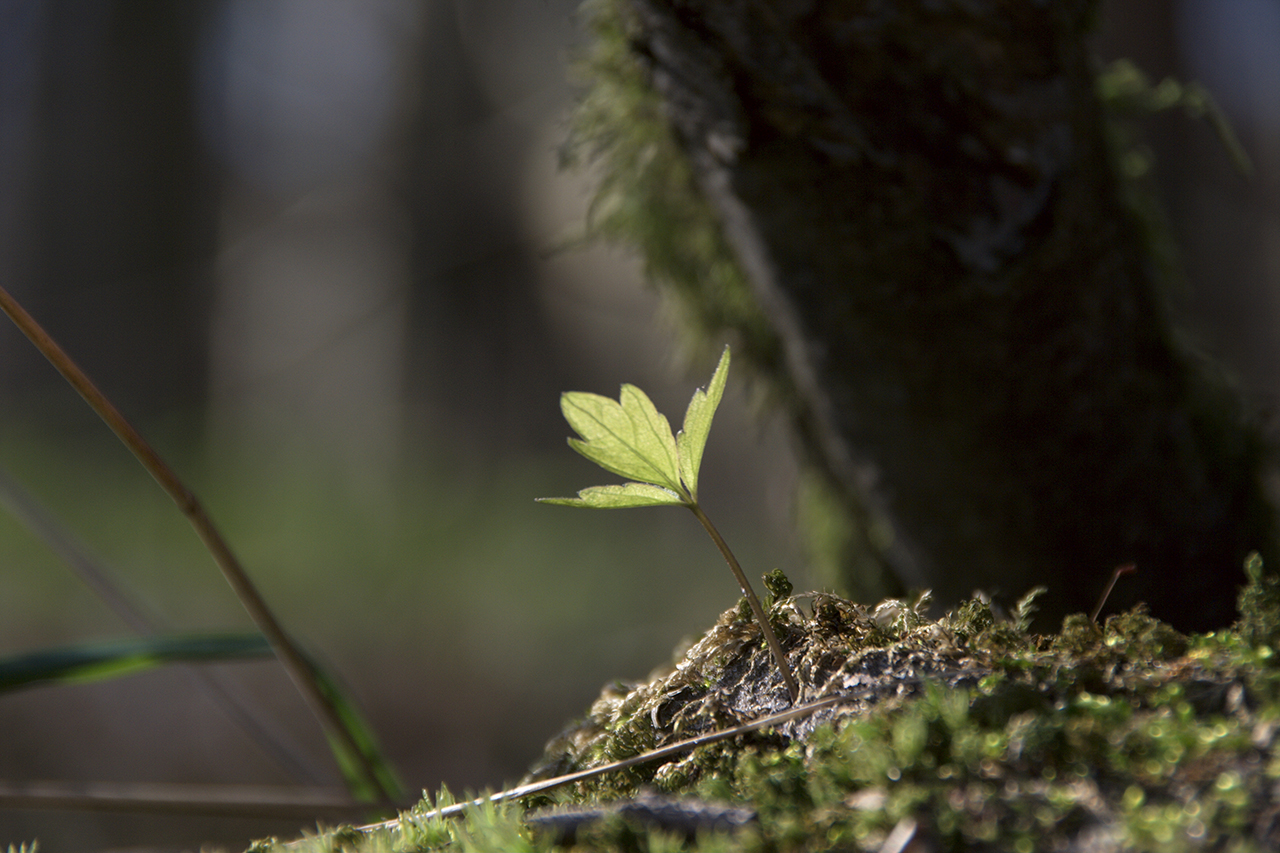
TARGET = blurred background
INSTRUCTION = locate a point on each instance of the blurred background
(319, 251)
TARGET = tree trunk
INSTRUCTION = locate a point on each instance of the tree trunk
(970, 314)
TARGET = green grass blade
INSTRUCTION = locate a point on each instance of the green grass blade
(697, 425)
(117, 658)
(353, 766)
(100, 661)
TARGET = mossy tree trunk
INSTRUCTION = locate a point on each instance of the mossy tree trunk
(970, 316)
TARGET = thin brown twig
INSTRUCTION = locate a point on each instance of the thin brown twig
(645, 757)
(1120, 570)
(289, 802)
(295, 663)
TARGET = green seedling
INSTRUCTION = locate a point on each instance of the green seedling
(632, 439)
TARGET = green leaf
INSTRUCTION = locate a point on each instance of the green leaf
(99, 661)
(620, 497)
(628, 437)
(697, 425)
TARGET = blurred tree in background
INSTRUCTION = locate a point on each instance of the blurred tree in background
(109, 211)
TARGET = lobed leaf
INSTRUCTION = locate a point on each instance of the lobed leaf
(620, 497)
(631, 438)
(692, 439)
(627, 436)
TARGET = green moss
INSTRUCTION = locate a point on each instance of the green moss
(778, 585)
(1259, 605)
(1122, 731)
(646, 197)
(968, 731)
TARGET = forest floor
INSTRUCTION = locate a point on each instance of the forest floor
(962, 733)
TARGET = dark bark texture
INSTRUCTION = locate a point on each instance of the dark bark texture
(923, 198)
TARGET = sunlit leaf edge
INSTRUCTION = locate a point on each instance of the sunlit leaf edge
(625, 496)
(692, 439)
(648, 454)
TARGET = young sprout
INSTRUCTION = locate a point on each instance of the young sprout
(630, 438)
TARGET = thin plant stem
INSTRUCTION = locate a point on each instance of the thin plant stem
(294, 661)
(1115, 576)
(624, 764)
(770, 637)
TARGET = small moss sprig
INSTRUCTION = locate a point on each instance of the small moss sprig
(631, 438)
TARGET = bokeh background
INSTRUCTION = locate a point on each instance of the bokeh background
(320, 251)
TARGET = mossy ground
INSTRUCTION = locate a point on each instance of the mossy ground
(1120, 736)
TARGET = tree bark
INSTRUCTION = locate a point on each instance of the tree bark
(923, 198)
